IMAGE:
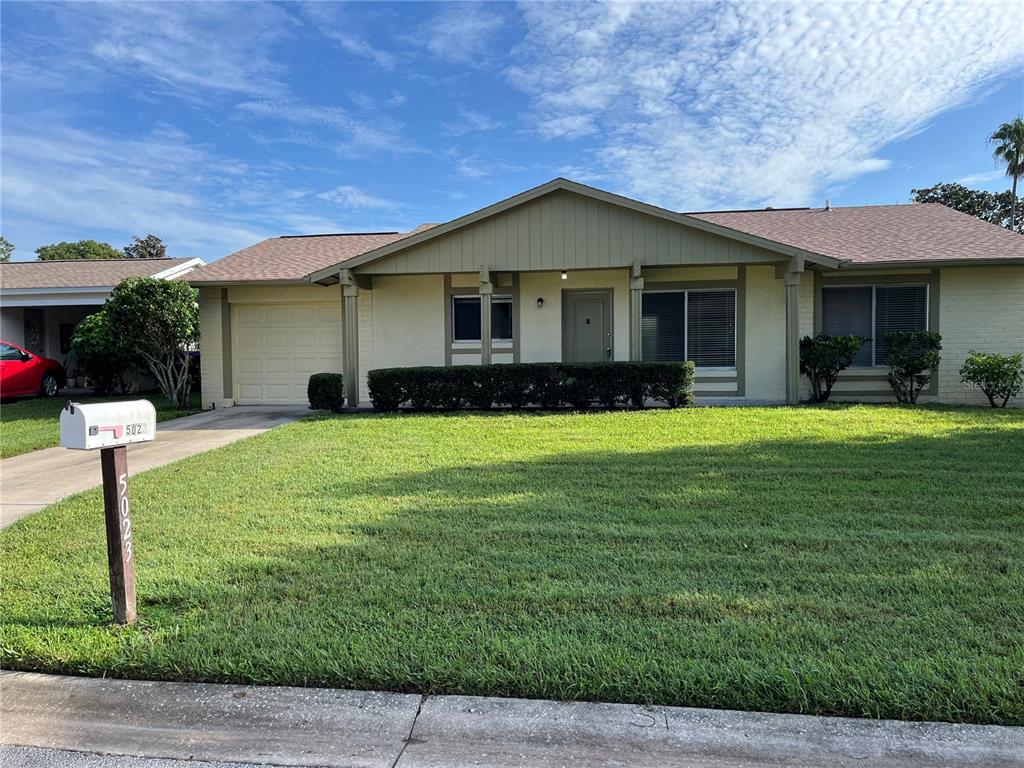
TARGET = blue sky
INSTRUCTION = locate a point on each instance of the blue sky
(215, 125)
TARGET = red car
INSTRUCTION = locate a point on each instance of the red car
(23, 373)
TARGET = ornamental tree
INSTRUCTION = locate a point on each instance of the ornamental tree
(158, 321)
(912, 356)
(823, 357)
(999, 376)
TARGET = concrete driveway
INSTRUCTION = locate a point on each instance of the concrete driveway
(35, 480)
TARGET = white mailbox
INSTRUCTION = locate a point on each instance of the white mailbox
(103, 425)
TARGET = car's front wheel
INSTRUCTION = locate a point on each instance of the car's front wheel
(48, 385)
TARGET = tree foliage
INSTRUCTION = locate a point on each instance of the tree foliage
(823, 357)
(999, 376)
(912, 356)
(98, 351)
(994, 207)
(1008, 149)
(158, 321)
(6, 249)
(148, 247)
(82, 249)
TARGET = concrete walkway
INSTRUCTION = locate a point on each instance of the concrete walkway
(35, 480)
(354, 729)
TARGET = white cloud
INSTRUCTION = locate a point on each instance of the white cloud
(356, 136)
(66, 183)
(471, 121)
(697, 105)
(984, 178)
(463, 32)
(333, 21)
(349, 196)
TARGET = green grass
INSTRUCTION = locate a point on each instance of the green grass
(28, 425)
(862, 561)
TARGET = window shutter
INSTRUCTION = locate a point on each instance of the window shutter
(662, 326)
(711, 332)
(898, 308)
(847, 312)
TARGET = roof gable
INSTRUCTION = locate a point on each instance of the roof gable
(566, 225)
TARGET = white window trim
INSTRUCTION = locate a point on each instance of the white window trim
(874, 291)
(686, 324)
(470, 343)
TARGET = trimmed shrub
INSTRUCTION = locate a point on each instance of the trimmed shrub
(823, 357)
(547, 385)
(999, 376)
(325, 392)
(912, 356)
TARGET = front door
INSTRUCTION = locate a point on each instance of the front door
(586, 326)
(35, 331)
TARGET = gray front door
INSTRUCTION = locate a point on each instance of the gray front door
(586, 326)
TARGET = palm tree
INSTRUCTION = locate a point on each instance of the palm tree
(1009, 149)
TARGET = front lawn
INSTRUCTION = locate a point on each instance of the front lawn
(862, 561)
(28, 425)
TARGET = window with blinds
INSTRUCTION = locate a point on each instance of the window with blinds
(698, 325)
(873, 311)
(466, 318)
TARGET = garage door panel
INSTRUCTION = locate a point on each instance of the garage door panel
(280, 346)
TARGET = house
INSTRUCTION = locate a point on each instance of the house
(569, 272)
(41, 302)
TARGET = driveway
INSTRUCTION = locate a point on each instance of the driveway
(35, 480)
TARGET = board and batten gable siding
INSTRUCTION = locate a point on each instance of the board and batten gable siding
(564, 230)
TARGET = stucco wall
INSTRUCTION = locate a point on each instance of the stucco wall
(407, 323)
(541, 327)
(981, 308)
(12, 325)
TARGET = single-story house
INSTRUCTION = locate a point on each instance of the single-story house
(567, 272)
(41, 302)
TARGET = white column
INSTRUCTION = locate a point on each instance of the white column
(792, 283)
(350, 337)
(636, 290)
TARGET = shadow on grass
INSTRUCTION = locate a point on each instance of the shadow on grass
(874, 577)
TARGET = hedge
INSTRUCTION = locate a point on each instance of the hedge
(548, 385)
(325, 392)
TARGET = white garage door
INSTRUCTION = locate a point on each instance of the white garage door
(278, 346)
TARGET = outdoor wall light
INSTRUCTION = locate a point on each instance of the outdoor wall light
(540, 302)
(565, 275)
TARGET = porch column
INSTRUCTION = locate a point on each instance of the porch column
(486, 291)
(350, 337)
(636, 290)
(792, 283)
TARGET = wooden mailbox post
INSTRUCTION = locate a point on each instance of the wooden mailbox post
(109, 427)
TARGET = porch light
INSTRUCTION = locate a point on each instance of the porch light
(540, 302)
(565, 275)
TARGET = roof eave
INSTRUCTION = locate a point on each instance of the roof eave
(932, 263)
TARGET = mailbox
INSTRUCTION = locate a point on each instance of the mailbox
(104, 425)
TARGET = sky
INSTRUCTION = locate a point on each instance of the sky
(215, 125)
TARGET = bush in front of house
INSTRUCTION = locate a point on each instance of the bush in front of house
(912, 357)
(97, 352)
(823, 358)
(999, 376)
(547, 385)
(326, 392)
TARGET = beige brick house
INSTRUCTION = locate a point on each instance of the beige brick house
(569, 272)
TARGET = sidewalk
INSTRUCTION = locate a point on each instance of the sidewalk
(328, 727)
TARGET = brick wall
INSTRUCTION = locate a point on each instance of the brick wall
(981, 308)
(210, 348)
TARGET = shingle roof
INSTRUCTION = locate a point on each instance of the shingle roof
(879, 234)
(291, 258)
(82, 273)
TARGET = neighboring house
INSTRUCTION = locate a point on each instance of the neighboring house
(568, 272)
(41, 302)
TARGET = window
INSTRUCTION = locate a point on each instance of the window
(466, 318)
(7, 352)
(698, 325)
(873, 311)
